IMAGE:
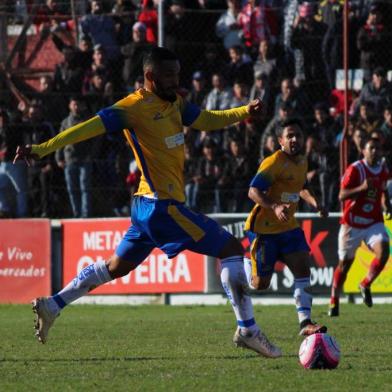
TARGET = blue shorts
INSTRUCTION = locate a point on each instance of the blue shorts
(267, 249)
(171, 227)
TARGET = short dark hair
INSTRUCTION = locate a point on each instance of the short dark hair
(368, 140)
(209, 143)
(85, 37)
(389, 108)
(380, 71)
(288, 123)
(157, 55)
(285, 105)
(99, 72)
(237, 49)
(321, 106)
(237, 139)
(368, 104)
(76, 98)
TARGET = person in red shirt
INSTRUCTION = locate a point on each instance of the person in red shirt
(363, 191)
(258, 22)
(149, 16)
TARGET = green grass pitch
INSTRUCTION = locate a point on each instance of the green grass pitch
(187, 348)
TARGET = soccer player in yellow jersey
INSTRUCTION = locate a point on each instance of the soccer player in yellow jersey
(272, 229)
(152, 120)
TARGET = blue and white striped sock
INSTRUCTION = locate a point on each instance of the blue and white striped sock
(89, 278)
(236, 287)
(303, 298)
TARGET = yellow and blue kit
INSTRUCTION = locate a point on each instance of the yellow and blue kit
(154, 130)
(282, 179)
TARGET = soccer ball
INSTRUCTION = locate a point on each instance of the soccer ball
(319, 351)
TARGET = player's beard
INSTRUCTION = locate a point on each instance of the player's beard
(164, 94)
(295, 150)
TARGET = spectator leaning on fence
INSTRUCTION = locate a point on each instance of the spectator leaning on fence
(212, 178)
(241, 172)
(76, 160)
(317, 165)
(40, 174)
(325, 130)
(13, 177)
(190, 171)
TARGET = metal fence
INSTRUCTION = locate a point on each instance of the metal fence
(288, 53)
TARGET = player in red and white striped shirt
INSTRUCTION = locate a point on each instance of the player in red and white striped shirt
(363, 192)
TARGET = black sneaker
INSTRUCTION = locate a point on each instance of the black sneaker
(308, 327)
(333, 310)
(366, 295)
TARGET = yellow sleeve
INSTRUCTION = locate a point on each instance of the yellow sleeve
(77, 133)
(266, 174)
(209, 120)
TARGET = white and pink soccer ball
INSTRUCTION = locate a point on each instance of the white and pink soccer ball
(319, 351)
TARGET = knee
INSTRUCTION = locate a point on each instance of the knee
(118, 267)
(384, 254)
(232, 248)
(260, 283)
(384, 258)
(345, 265)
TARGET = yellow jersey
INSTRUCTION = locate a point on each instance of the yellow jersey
(283, 179)
(156, 135)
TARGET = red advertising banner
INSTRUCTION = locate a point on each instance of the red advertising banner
(24, 259)
(90, 240)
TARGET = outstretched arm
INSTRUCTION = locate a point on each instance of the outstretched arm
(78, 133)
(209, 120)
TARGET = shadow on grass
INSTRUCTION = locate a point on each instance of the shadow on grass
(119, 359)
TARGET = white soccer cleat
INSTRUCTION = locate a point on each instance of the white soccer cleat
(257, 342)
(44, 318)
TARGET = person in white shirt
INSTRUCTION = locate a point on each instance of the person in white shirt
(227, 27)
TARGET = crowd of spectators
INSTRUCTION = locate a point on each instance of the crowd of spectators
(286, 52)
